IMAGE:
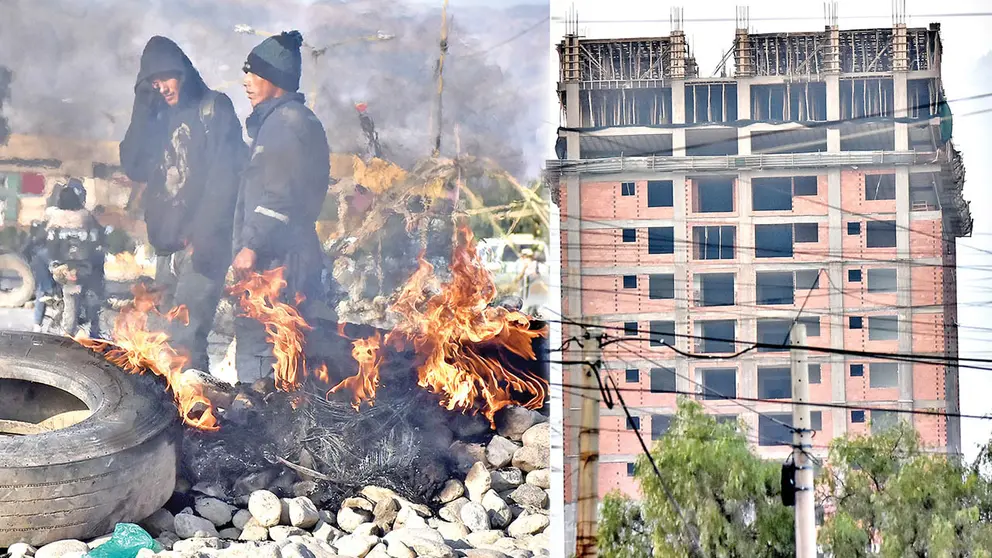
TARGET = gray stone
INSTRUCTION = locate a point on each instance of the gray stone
(356, 546)
(265, 507)
(478, 481)
(453, 511)
(531, 458)
(424, 542)
(144, 553)
(512, 422)
(254, 531)
(451, 490)
(483, 538)
(475, 517)
(296, 550)
(528, 524)
(452, 531)
(199, 543)
(253, 549)
(540, 478)
(282, 532)
(536, 543)
(319, 548)
(506, 479)
(385, 513)
(327, 532)
(159, 522)
(350, 518)
(409, 519)
(65, 547)
(466, 454)
(254, 481)
(499, 452)
(167, 539)
(215, 491)
(219, 513)
(378, 551)
(538, 435)
(358, 503)
(230, 533)
(93, 543)
(302, 512)
(241, 518)
(188, 526)
(522, 554)
(21, 550)
(396, 549)
(505, 544)
(483, 553)
(498, 510)
(369, 530)
(304, 488)
(530, 495)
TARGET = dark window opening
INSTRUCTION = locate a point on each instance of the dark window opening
(716, 289)
(663, 380)
(771, 194)
(816, 420)
(866, 98)
(727, 419)
(775, 429)
(814, 373)
(628, 189)
(923, 192)
(625, 107)
(853, 228)
(633, 376)
(660, 193)
(775, 382)
(883, 374)
(719, 383)
(880, 234)
(804, 185)
(857, 370)
(812, 324)
(807, 280)
(883, 328)
(773, 241)
(710, 102)
(857, 416)
(880, 187)
(630, 329)
(661, 286)
(630, 235)
(883, 420)
(661, 240)
(718, 336)
(710, 142)
(803, 140)
(660, 425)
(854, 322)
(775, 287)
(662, 333)
(774, 333)
(713, 243)
(882, 280)
(630, 281)
(633, 423)
(806, 232)
(713, 195)
(630, 469)
(854, 275)
(796, 102)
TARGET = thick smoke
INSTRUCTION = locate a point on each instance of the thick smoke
(74, 64)
(5, 77)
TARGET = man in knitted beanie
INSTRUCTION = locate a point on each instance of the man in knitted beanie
(282, 191)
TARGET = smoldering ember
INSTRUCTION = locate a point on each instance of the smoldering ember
(406, 410)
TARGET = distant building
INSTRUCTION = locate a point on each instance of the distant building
(709, 211)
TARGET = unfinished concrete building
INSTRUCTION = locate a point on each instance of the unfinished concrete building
(818, 181)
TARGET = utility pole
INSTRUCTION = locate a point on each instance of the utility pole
(588, 474)
(802, 441)
(439, 74)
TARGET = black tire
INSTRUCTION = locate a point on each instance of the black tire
(117, 465)
(16, 298)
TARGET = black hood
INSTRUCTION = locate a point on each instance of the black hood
(162, 55)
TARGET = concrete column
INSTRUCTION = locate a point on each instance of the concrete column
(743, 141)
(573, 252)
(678, 117)
(683, 255)
(904, 296)
(834, 281)
(833, 112)
(743, 99)
(900, 99)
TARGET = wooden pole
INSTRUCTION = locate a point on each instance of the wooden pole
(439, 74)
(588, 493)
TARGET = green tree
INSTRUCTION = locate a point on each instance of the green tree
(622, 532)
(730, 499)
(887, 490)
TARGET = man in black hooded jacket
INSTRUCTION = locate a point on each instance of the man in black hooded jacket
(185, 143)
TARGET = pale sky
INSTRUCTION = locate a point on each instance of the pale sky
(967, 71)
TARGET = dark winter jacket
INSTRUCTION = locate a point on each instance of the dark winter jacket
(283, 188)
(191, 157)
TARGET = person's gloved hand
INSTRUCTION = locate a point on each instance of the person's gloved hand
(147, 99)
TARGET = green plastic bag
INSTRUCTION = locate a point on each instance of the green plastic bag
(126, 541)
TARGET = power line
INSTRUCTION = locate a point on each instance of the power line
(559, 19)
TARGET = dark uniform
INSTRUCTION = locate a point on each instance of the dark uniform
(191, 156)
(280, 199)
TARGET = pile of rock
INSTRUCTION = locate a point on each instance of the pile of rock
(495, 507)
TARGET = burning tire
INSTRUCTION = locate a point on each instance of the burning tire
(83, 445)
(14, 270)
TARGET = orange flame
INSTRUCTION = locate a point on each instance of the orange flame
(284, 326)
(136, 350)
(450, 331)
(363, 384)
